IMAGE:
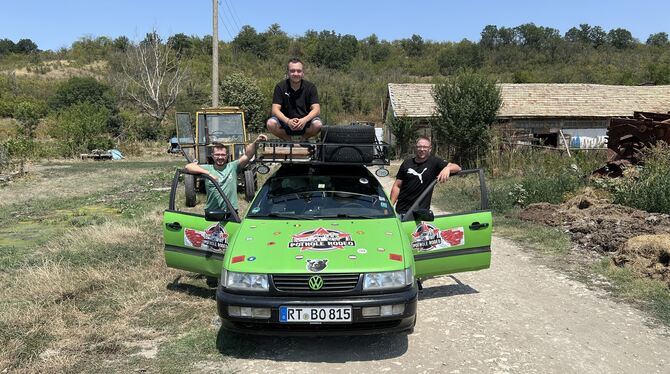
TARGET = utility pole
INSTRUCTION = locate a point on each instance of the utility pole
(215, 53)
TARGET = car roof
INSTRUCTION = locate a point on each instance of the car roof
(288, 170)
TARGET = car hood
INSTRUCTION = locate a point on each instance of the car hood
(317, 246)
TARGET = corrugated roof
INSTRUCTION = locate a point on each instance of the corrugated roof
(532, 100)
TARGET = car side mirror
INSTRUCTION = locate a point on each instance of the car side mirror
(424, 215)
(217, 215)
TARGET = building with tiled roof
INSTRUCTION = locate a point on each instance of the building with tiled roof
(544, 108)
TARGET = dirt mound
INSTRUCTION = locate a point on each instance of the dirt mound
(596, 224)
(647, 255)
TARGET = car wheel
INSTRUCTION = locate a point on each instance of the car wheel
(249, 184)
(189, 190)
(354, 134)
(212, 282)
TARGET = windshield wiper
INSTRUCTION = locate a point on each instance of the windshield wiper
(346, 215)
(286, 216)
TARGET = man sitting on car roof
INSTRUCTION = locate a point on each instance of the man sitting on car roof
(295, 105)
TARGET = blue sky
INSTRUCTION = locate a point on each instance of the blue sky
(57, 23)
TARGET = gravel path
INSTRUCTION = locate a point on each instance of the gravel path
(519, 316)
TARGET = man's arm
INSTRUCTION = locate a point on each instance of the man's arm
(193, 167)
(249, 151)
(447, 171)
(395, 191)
(276, 111)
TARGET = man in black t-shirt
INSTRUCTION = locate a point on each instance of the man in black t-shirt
(415, 174)
(295, 105)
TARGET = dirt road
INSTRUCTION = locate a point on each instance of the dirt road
(519, 316)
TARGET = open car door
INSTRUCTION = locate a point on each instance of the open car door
(196, 240)
(459, 240)
(185, 136)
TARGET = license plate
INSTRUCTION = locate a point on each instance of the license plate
(310, 314)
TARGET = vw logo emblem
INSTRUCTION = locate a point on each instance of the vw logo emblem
(315, 283)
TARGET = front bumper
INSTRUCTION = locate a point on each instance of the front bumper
(358, 326)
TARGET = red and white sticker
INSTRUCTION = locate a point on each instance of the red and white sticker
(321, 239)
(427, 237)
(215, 238)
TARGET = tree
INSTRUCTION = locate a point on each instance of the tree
(81, 127)
(453, 58)
(6, 47)
(82, 89)
(404, 131)
(620, 38)
(414, 46)
(28, 114)
(239, 90)
(466, 106)
(659, 39)
(25, 46)
(334, 50)
(154, 73)
(248, 40)
(181, 44)
(121, 44)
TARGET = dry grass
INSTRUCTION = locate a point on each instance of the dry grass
(98, 297)
(58, 316)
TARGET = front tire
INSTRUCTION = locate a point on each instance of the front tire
(189, 190)
(249, 184)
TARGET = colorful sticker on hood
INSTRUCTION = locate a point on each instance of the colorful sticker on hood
(315, 265)
(321, 239)
(427, 237)
(215, 238)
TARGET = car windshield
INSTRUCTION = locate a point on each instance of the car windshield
(223, 127)
(321, 197)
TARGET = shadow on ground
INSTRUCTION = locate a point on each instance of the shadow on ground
(337, 349)
(445, 290)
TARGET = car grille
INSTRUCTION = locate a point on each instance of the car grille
(300, 283)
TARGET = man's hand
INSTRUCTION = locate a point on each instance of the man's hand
(296, 124)
(261, 137)
(443, 176)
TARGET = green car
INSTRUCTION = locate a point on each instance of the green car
(322, 252)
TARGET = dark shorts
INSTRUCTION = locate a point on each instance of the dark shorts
(288, 129)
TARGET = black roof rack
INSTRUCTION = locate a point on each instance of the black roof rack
(323, 152)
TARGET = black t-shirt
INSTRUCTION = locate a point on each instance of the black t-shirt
(415, 179)
(295, 104)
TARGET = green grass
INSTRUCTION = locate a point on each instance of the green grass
(649, 294)
(545, 239)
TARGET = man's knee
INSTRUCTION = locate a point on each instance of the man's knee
(316, 124)
(272, 124)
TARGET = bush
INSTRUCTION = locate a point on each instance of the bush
(81, 128)
(465, 107)
(646, 187)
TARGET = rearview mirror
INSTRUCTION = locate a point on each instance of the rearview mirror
(217, 215)
(424, 215)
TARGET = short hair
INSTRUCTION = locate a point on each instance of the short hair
(219, 146)
(424, 138)
(295, 61)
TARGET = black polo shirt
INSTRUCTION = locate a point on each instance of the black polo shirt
(295, 104)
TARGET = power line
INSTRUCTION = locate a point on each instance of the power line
(233, 12)
(225, 25)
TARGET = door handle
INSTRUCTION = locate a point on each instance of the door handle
(173, 226)
(477, 225)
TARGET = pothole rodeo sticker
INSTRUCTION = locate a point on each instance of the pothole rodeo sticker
(427, 237)
(215, 238)
(321, 239)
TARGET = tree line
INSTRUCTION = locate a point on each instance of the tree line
(351, 73)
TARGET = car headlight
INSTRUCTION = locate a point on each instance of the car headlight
(245, 281)
(387, 279)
